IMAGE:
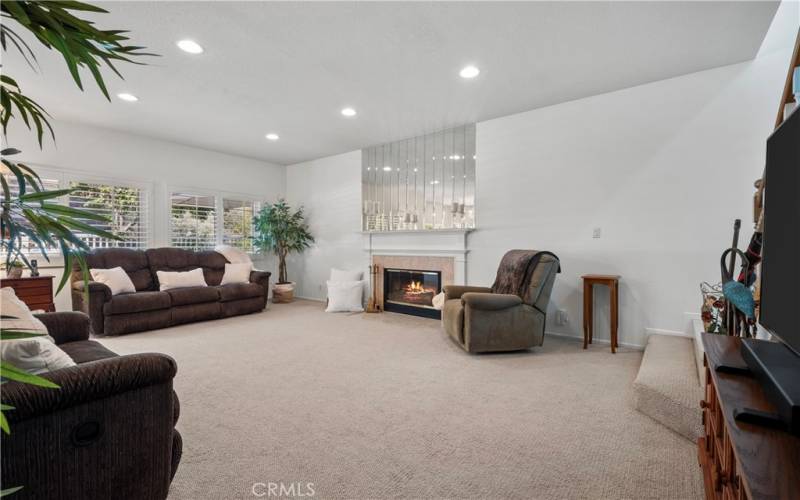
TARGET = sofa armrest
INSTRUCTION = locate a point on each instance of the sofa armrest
(87, 382)
(99, 294)
(261, 278)
(95, 288)
(66, 326)
(456, 291)
(490, 301)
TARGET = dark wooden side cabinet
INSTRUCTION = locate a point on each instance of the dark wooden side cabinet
(740, 460)
(36, 292)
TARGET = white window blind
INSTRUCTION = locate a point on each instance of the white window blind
(237, 222)
(125, 207)
(28, 247)
(193, 223)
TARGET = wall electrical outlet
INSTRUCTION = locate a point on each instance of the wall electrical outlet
(597, 232)
(562, 318)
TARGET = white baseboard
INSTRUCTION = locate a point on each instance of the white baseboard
(595, 341)
(673, 333)
(315, 299)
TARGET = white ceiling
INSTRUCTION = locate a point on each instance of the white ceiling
(289, 68)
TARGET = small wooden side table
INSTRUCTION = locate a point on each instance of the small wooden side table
(37, 293)
(612, 282)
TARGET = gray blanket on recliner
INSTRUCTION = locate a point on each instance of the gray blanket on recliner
(515, 271)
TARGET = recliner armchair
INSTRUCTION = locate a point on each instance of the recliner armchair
(107, 432)
(509, 316)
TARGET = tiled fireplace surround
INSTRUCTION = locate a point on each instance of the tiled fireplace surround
(435, 250)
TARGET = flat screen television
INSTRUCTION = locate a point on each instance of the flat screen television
(780, 270)
(777, 364)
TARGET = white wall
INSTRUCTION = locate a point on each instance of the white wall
(164, 165)
(663, 169)
(330, 191)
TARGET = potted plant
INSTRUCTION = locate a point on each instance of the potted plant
(14, 269)
(280, 230)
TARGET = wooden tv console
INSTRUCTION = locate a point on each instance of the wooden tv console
(741, 460)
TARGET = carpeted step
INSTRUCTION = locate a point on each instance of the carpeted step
(666, 388)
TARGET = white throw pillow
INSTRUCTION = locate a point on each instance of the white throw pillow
(236, 273)
(340, 275)
(115, 278)
(35, 354)
(168, 280)
(345, 296)
(438, 301)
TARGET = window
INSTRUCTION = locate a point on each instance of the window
(193, 221)
(28, 247)
(237, 222)
(125, 208)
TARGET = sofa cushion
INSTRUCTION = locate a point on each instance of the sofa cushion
(193, 295)
(134, 262)
(137, 302)
(83, 351)
(178, 259)
(238, 291)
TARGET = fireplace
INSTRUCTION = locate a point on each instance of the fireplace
(411, 291)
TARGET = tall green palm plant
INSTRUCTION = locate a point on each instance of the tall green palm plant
(30, 212)
(281, 231)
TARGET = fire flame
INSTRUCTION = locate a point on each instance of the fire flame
(415, 288)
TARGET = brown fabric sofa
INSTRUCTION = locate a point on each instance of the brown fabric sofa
(510, 316)
(107, 432)
(149, 308)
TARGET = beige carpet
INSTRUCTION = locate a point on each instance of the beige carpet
(385, 406)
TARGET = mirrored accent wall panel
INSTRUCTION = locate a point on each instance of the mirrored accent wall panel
(422, 183)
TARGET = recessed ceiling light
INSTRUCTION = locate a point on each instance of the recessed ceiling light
(349, 112)
(387, 169)
(190, 46)
(272, 137)
(469, 72)
(127, 97)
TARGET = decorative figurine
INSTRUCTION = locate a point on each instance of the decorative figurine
(34, 268)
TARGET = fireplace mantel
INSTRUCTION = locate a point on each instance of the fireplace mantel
(431, 243)
(427, 242)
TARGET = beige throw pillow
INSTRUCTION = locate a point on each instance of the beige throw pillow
(115, 278)
(236, 273)
(168, 280)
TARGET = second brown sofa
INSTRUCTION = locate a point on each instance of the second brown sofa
(149, 308)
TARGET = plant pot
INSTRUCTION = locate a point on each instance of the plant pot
(283, 293)
(14, 273)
